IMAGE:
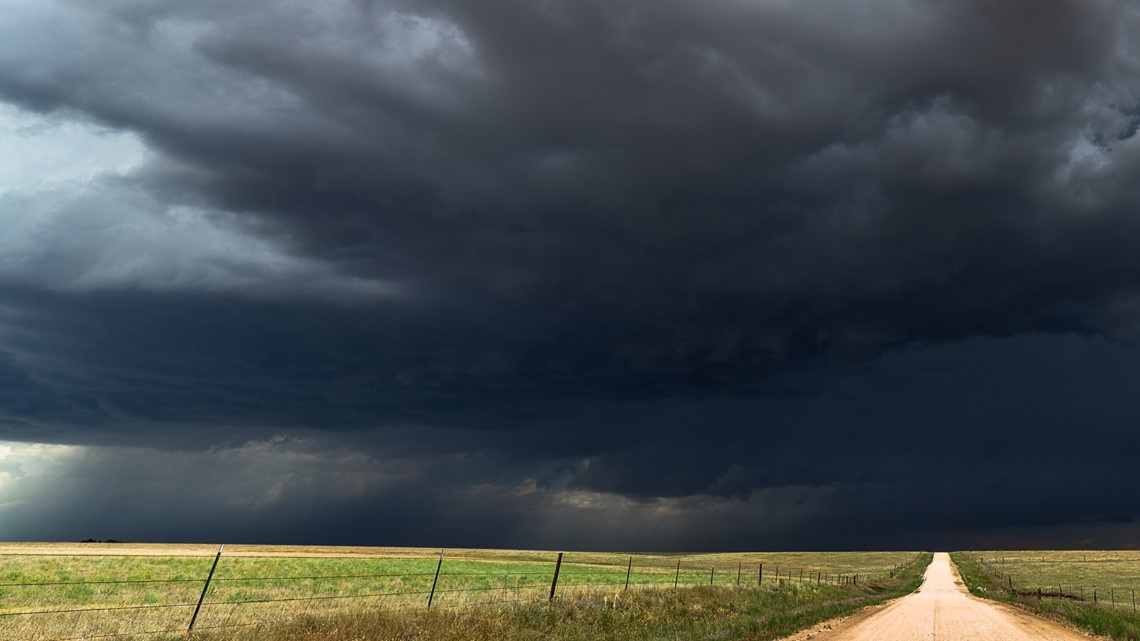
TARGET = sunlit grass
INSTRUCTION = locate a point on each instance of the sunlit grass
(1052, 568)
(649, 614)
(255, 584)
(1066, 575)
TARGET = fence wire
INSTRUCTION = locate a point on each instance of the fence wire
(102, 607)
(1114, 596)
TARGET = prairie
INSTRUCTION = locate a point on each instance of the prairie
(1094, 590)
(1049, 569)
(66, 591)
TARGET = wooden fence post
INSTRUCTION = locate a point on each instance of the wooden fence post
(760, 577)
(205, 588)
(739, 565)
(628, 570)
(677, 577)
(554, 582)
(438, 566)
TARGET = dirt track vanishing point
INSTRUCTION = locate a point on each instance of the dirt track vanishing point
(942, 610)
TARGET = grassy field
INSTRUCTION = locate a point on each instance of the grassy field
(697, 612)
(52, 591)
(1119, 569)
(1067, 581)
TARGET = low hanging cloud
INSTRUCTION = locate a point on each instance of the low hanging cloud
(289, 490)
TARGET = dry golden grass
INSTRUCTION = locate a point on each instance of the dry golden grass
(1061, 577)
(1048, 569)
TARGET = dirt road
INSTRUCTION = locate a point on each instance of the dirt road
(942, 610)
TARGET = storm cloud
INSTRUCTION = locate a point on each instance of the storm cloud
(765, 265)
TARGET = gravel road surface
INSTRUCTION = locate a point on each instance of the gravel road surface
(942, 610)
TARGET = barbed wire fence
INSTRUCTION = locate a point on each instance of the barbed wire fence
(1114, 596)
(200, 599)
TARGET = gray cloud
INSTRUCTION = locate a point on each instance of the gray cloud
(773, 249)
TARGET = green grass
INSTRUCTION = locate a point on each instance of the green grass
(1049, 569)
(700, 612)
(987, 576)
(255, 584)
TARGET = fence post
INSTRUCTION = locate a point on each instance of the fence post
(1094, 594)
(760, 577)
(628, 570)
(206, 587)
(436, 580)
(554, 583)
(677, 577)
(712, 574)
(801, 576)
(739, 565)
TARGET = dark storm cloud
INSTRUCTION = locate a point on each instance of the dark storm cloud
(739, 175)
(640, 249)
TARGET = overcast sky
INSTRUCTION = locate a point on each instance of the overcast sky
(606, 274)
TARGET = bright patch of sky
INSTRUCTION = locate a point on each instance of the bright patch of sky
(74, 221)
(49, 152)
(19, 461)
